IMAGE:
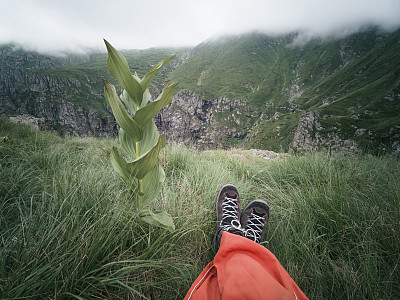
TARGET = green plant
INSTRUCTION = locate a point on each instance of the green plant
(138, 134)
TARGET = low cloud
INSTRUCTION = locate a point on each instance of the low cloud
(54, 26)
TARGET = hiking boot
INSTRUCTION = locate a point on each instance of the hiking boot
(254, 220)
(228, 210)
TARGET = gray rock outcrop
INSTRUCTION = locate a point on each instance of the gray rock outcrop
(190, 119)
(30, 96)
(308, 136)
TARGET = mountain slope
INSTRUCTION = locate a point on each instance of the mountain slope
(253, 90)
(239, 67)
(363, 98)
(352, 85)
(65, 94)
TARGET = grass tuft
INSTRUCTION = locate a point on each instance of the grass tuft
(68, 229)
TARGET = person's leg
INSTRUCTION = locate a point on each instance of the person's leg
(247, 270)
(227, 207)
(242, 269)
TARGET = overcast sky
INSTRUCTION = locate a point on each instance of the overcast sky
(58, 25)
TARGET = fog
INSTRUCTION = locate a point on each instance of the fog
(78, 26)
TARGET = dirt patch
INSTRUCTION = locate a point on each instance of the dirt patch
(266, 154)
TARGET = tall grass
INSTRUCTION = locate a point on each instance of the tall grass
(335, 224)
(68, 229)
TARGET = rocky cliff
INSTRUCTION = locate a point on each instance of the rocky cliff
(191, 119)
(308, 136)
(31, 95)
(48, 101)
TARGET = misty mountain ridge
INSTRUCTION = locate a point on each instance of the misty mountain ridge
(252, 90)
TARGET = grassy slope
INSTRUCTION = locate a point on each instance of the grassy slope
(68, 230)
(363, 89)
(80, 82)
(352, 75)
(275, 135)
(246, 67)
(140, 62)
(228, 66)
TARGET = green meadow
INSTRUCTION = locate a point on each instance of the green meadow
(68, 229)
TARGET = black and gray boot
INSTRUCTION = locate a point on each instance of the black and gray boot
(228, 212)
(254, 220)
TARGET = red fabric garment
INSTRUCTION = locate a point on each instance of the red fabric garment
(243, 269)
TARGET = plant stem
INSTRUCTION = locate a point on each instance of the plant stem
(141, 194)
(140, 199)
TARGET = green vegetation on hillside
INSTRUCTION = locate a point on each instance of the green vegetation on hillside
(346, 80)
(68, 231)
(76, 78)
(95, 68)
(243, 67)
(351, 82)
(275, 135)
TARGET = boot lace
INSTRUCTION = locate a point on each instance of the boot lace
(230, 211)
(254, 227)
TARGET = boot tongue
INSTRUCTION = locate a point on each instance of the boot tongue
(230, 196)
(259, 211)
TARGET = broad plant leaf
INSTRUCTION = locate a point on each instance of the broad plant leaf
(146, 98)
(158, 218)
(121, 167)
(149, 76)
(128, 102)
(119, 69)
(150, 110)
(127, 143)
(150, 137)
(149, 140)
(152, 184)
(146, 162)
(131, 105)
(124, 120)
